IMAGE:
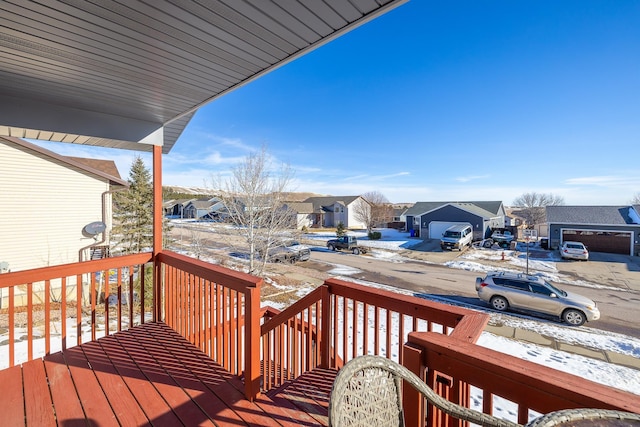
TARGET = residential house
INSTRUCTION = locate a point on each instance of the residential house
(329, 211)
(52, 231)
(303, 212)
(399, 219)
(203, 208)
(430, 219)
(614, 229)
(175, 208)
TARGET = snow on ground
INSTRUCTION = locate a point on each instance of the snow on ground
(599, 371)
(602, 372)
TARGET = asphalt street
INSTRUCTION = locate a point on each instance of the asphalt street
(618, 298)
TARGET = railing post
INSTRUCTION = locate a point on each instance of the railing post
(252, 342)
(157, 225)
(412, 401)
(325, 328)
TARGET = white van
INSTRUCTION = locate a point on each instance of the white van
(457, 237)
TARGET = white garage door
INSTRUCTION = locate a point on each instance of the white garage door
(436, 228)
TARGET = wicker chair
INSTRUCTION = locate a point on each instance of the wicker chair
(367, 392)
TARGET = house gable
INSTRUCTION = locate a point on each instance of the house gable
(494, 208)
(488, 214)
(75, 195)
(324, 209)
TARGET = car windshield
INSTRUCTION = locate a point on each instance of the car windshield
(574, 246)
(557, 291)
(452, 234)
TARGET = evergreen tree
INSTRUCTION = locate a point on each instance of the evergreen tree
(133, 212)
(340, 230)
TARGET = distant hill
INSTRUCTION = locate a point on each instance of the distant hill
(300, 197)
(179, 192)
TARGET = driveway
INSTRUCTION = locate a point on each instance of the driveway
(607, 270)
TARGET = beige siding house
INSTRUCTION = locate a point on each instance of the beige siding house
(328, 211)
(46, 200)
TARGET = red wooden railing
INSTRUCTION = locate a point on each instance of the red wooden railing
(453, 367)
(340, 320)
(218, 310)
(45, 297)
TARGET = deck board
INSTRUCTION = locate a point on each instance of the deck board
(37, 399)
(122, 401)
(148, 397)
(310, 393)
(89, 393)
(12, 402)
(68, 411)
(150, 375)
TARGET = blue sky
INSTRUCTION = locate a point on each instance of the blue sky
(435, 101)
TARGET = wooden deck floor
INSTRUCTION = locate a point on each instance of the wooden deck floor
(149, 375)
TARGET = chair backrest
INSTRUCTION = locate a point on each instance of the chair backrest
(368, 392)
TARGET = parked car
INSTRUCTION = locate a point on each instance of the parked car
(346, 243)
(532, 293)
(574, 250)
(457, 237)
(289, 252)
(502, 237)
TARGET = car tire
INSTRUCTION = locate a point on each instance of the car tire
(356, 251)
(331, 247)
(500, 303)
(574, 317)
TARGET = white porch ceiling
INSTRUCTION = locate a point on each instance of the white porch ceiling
(110, 73)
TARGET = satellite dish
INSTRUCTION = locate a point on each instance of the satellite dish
(94, 228)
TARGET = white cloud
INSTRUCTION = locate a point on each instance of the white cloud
(471, 178)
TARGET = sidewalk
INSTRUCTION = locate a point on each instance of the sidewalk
(545, 341)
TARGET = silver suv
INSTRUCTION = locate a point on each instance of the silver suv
(531, 293)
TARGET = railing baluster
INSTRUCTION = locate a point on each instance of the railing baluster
(131, 294)
(233, 328)
(388, 329)
(63, 312)
(119, 292)
(12, 327)
(47, 317)
(79, 309)
(107, 279)
(354, 330)
(93, 297)
(30, 321)
(376, 326)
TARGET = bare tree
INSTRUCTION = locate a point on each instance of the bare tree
(376, 212)
(532, 206)
(253, 198)
(636, 199)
